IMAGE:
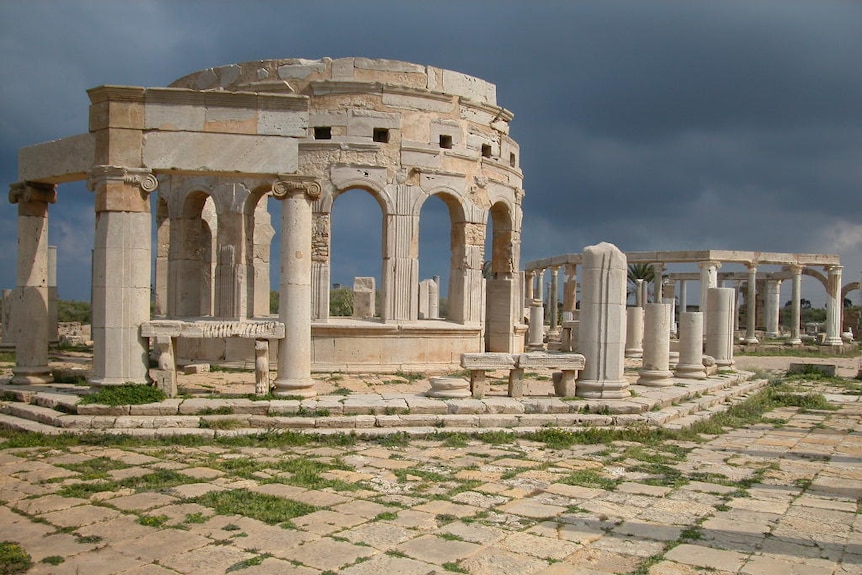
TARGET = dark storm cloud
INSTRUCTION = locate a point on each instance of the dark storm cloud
(654, 125)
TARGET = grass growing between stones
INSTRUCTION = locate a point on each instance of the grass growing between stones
(96, 468)
(157, 481)
(129, 394)
(270, 509)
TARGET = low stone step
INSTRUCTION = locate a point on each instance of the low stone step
(13, 423)
(44, 415)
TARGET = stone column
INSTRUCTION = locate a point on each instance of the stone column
(683, 297)
(53, 328)
(795, 302)
(690, 364)
(529, 279)
(639, 292)
(657, 271)
(751, 305)
(602, 330)
(121, 274)
(31, 306)
(773, 307)
(553, 298)
(570, 292)
(535, 334)
(656, 347)
(719, 326)
(634, 332)
(540, 291)
(294, 310)
(708, 279)
(834, 306)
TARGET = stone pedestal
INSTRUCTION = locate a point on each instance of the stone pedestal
(656, 347)
(719, 326)
(449, 387)
(536, 333)
(690, 364)
(602, 331)
(634, 332)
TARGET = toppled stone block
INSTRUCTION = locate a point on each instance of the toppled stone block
(827, 369)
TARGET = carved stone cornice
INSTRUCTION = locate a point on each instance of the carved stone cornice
(142, 178)
(286, 186)
(26, 192)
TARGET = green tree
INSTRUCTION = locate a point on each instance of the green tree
(341, 302)
(73, 311)
(637, 272)
(273, 302)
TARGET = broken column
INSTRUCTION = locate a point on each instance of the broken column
(634, 332)
(719, 325)
(656, 346)
(31, 320)
(602, 331)
(690, 364)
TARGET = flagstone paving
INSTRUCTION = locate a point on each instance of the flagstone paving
(781, 496)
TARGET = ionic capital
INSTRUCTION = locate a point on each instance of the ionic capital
(836, 269)
(709, 264)
(140, 177)
(30, 192)
(286, 186)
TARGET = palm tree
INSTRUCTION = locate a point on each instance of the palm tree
(644, 272)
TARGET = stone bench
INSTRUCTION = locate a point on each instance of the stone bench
(564, 382)
(164, 334)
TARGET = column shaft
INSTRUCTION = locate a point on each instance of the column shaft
(834, 306)
(751, 306)
(795, 305)
(690, 364)
(656, 347)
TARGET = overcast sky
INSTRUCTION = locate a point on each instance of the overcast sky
(651, 125)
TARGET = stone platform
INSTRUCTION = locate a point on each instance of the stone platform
(54, 409)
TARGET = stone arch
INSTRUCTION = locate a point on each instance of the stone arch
(818, 276)
(458, 249)
(849, 287)
(258, 237)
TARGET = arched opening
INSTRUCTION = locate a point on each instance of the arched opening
(498, 271)
(261, 250)
(357, 247)
(439, 246)
(192, 261)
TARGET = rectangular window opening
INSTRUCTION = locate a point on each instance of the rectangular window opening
(446, 141)
(512, 160)
(486, 150)
(323, 133)
(380, 135)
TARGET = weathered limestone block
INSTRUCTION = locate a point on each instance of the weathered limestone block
(478, 363)
(563, 361)
(453, 387)
(602, 331)
(363, 297)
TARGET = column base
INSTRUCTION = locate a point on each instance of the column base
(690, 371)
(31, 375)
(634, 353)
(655, 378)
(595, 389)
(794, 341)
(115, 381)
(725, 363)
(833, 341)
(751, 340)
(301, 387)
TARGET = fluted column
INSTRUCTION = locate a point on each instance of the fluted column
(294, 310)
(31, 305)
(751, 305)
(834, 306)
(795, 307)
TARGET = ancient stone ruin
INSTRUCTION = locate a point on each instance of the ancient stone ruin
(214, 147)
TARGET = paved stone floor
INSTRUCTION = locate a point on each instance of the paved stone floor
(781, 496)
